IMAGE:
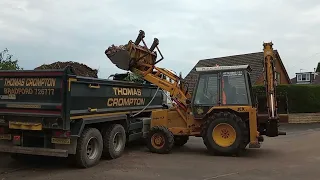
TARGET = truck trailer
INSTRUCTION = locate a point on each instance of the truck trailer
(57, 113)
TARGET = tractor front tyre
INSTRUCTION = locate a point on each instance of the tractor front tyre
(160, 140)
(225, 133)
(180, 140)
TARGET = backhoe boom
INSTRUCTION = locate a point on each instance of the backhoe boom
(270, 83)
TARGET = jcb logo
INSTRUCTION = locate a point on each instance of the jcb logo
(241, 109)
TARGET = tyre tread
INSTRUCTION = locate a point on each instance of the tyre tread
(237, 120)
(107, 140)
(169, 137)
(79, 158)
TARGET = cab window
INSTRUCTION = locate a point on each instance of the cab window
(234, 88)
(207, 91)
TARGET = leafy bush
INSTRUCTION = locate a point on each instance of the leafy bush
(294, 98)
(7, 62)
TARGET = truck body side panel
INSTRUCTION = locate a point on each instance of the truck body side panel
(91, 96)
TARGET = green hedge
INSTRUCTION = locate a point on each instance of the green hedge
(299, 98)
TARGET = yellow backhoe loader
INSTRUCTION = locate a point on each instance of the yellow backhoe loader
(221, 109)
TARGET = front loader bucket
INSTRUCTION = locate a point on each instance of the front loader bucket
(119, 56)
(132, 56)
(121, 59)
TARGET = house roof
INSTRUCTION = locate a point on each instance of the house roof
(255, 60)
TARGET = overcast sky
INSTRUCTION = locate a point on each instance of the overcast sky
(45, 31)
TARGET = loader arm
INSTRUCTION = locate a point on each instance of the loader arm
(141, 60)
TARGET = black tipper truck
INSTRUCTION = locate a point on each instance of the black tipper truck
(56, 113)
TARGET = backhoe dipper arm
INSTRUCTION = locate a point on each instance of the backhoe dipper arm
(141, 60)
(270, 87)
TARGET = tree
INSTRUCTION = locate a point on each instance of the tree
(7, 62)
(318, 67)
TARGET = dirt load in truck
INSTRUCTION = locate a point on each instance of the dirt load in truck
(56, 113)
(78, 68)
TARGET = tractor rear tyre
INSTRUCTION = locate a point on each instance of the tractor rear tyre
(89, 148)
(225, 133)
(160, 140)
(180, 140)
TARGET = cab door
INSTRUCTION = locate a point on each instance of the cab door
(206, 94)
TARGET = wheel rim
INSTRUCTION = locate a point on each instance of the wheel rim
(117, 141)
(92, 148)
(224, 135)
(157, 141)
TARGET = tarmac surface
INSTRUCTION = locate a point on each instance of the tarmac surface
(295, 156)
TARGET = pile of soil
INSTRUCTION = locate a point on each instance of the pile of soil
(113, 49)
(78, 68)
(123, 57)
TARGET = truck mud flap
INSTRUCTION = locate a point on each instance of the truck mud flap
(34, 151)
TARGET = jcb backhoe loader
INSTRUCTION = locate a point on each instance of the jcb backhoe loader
(221, 110)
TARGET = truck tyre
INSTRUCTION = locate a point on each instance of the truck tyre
(114, 141)
(160, 140)
(225, 133)
(89, 148)
(180, 140)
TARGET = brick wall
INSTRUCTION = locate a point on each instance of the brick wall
(304, 118)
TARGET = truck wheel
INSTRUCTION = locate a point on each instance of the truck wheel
(160, 140)
(180, 140)
(89, 148)
(114, 141)
(225, 133)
